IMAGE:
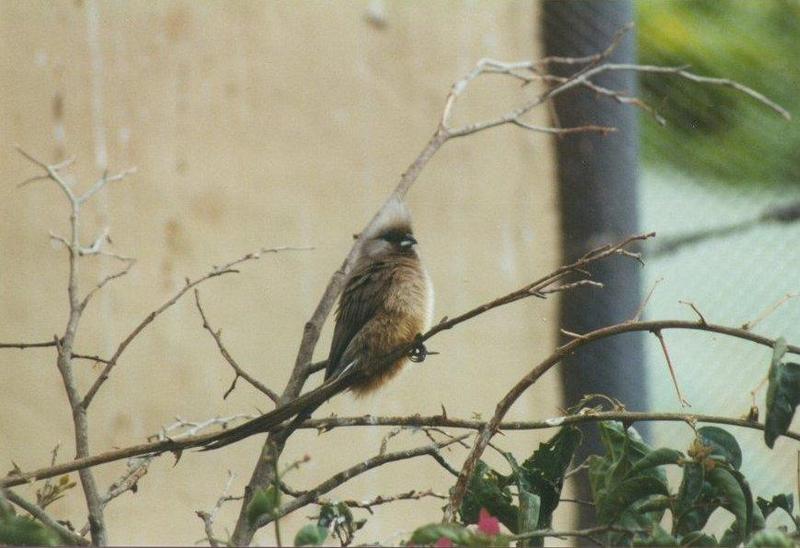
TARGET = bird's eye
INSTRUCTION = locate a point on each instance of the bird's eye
(392, 237)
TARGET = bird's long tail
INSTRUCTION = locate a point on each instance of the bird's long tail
(301, 408)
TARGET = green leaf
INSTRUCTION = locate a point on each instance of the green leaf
(543, 472)
(621, 496)
(691, 486)
(23, 531)
(654, 504)
(727, 486)
(658, 537)
(698, 538)
(771, 538)
(783, 394)
(529, 507)
(687, 517)
(311, 535)
(488, 489)
(722, 444)
(695, 517)
(618, 442)
(429, 534)
(658, 457)
(598, 473)
(784, 501)
(264, 502)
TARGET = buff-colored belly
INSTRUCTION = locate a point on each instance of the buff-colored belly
(406, 314)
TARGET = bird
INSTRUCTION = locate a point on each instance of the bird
(385, 306)
(387, 301)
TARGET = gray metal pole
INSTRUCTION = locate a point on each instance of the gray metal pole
(597, 178)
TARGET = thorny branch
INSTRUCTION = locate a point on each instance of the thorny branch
(386, 499)
(177, 443)
(39, 513)
(227, 268)
(331, 483)
(209, 517)
(217, 336)
(65, 344)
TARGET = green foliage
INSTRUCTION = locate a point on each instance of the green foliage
(264, 502)
(783, 394)
(772, 539)
(490, 490)
(338, 518)
(51, 492)
(626, 481)
(722, 444)
(22, 531)
(538, 481)
(784, 501)
(713, 130)
(630, 493)
(311, 535)
(459, 535)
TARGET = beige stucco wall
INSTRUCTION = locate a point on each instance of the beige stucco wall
(258, 124)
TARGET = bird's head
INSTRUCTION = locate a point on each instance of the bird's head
(391, 234)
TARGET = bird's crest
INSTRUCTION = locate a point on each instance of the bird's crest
(395, 216)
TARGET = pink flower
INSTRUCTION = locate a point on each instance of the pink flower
(444, 542)
(488, 524)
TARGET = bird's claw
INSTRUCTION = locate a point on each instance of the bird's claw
(419, 352)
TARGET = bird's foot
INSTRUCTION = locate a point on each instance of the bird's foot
(419, 352)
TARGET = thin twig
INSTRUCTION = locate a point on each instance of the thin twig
(768, 311)
(385, 499)
(639, 311)
(227, 268)
(217, 335)
(346, 475)
(660, 337)
(700, 316)
(38, 513)
(580, 533)
(23, 345)
(209, 517)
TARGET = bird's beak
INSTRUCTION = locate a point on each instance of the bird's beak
(407, 241)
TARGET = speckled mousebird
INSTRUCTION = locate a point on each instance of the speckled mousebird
(386, 302)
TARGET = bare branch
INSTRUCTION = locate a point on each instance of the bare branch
(768, 311)
(186, 441)
(103, 181)
(523, 71)
(227, 268)
(386, 499)
(38, 513)
(588, 534)
(638, 314)
(604, 130)
(335, 481)
(23, 345)
(700, 316)
(681, 398)
(104, 281)
(217, 335)
(209, 517)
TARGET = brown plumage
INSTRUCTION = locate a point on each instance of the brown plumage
(387, 301)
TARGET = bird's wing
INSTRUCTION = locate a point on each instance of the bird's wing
(361, 299)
